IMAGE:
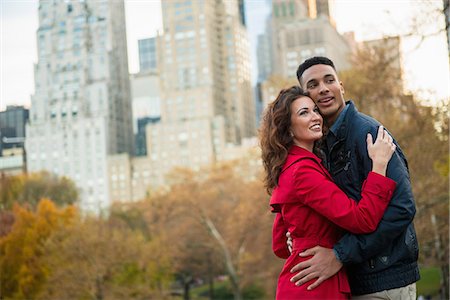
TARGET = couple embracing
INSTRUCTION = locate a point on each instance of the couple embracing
(341, 195)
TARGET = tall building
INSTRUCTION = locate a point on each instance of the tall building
(264, 53)
(206, 95)
(146, 96)
(302, 29)
(145, 93)
(299, 29)
(12, 138)
(12, 127)
(147, 55)
(81, 110)
(296, 42)
(293, 10)
(141, 135)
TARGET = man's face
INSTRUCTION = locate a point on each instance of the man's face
(325, 89)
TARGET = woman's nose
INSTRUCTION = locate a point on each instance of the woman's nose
(317, 115)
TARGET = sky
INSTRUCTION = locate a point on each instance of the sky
(426, 67)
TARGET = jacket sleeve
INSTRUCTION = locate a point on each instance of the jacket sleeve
(279, 230)
(317, 191)
(398, 216)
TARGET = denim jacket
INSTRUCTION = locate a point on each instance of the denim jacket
(386, 258)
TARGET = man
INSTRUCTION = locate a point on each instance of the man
(383, 264)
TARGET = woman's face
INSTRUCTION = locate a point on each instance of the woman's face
(306, 122)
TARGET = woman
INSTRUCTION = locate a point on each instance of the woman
(306, 201)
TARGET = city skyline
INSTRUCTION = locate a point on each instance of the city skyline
(426, 69)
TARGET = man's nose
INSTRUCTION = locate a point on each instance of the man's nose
(323, 88)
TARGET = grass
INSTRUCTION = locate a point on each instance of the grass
(429, 282)
(427, 285)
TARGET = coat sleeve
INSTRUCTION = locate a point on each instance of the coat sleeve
(398, 216)
(279, 245)
(317, 191)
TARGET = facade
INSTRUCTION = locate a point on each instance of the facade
(147, 55)
(287, 11)
(145, 92)
(299, 41)
(131, 178)
(146, 103)
(141, 135)
(264, 53)
(12, 127)
(301, 29)
(12, 162)
(206, 94)
(146, 96)
(81, 110)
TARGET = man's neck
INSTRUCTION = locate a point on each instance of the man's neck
(330, 121)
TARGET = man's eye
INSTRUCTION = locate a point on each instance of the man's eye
(310, 86)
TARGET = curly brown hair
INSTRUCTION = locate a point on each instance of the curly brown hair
(274, 134)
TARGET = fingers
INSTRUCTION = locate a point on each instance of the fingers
(380, 134)
(369, 139)
(299, 276)
(308, 252)
(389, 137)
(303, 280)
(316, 283)
(300, 266)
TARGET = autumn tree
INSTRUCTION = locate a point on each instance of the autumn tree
(29, 189)
(226, 216)
(106, 259)
(22, 270)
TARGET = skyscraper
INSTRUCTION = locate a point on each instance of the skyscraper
(206, 95)
(81, 110)
(301, 29)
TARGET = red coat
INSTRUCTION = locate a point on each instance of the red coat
(316, 212)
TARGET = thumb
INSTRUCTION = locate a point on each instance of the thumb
(369, 140)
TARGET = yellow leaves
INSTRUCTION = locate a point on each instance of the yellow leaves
(22, 271)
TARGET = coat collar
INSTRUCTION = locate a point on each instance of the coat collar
(296, 153)
(346, 123)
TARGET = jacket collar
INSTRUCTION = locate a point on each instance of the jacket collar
(342, 130)
(296, 153)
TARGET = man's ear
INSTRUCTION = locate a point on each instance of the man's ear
(342, 87)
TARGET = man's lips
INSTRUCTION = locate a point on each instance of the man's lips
(325, 100)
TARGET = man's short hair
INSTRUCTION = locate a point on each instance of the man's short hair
(316, 60)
